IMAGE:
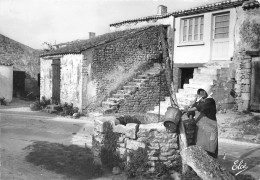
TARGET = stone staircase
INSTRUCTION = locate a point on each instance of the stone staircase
(111, 105)
(203, 77)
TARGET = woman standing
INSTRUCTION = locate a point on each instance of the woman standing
(207, 129)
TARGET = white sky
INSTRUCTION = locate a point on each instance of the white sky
(33, 22)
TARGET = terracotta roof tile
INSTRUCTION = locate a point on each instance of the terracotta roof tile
(251, 4)
(5, 63)
(196, 10)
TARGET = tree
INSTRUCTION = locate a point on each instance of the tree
(168, 67)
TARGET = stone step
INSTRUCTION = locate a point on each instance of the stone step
(185, 96)
(142, 76)
(204, 76)
(123, 92)
(115, 100)
(197, 86)
(189, 91)
(211, 71)
(108, 104)
(131, 88)
(140, 80)
(198, 81)
(122, 96)
(138, 84)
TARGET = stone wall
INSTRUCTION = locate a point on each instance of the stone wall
(243, 78)
(161, 146)
(24, 59)
(114, 63)
(223, 89)
(247, 30)
(247, 33)
(147, 96)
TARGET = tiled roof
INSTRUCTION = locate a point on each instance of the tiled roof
(5, 63)
(251, 4)
(196, 10)
(76, 47)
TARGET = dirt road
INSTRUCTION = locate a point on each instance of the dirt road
(20, 129)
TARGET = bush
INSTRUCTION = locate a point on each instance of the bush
(138, 163)
(44, 102)
(109, 156)
(2, 101)
(69, 110)
(36, 106)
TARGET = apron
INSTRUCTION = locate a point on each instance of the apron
(207, 134)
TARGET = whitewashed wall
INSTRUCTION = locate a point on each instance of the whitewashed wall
(201, 52)
(6, 82)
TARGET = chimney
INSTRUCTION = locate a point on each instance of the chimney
(92, 35)
(161, 10)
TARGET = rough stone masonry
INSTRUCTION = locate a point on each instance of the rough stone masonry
(162, 147)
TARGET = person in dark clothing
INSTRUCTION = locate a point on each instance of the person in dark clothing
(207, 133)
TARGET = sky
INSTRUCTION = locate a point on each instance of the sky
(33, 22)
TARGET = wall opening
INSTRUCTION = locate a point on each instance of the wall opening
(56, 81)
(186, 74)
(18, 83)
(255, 85)
(38, 79)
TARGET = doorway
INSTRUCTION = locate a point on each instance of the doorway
(56, 81)
(185, 75)
(220, 36)
(18, 83)
(255, 84)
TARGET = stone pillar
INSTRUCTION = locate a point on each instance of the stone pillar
(243, 78)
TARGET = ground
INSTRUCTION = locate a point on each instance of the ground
(61, 146)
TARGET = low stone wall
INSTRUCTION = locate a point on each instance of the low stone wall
(162, 147)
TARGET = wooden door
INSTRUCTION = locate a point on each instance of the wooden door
(56, 81)
(220, 38)
(255, 84)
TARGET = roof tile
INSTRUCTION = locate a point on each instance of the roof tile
(200, 9)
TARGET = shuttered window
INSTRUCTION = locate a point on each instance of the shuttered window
(221, 26)
(192, 29)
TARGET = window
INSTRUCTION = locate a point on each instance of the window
(192, 29)
(221, 26)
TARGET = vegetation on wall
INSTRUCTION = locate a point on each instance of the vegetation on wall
(109, 156)
(250, 34)
(137, 165)
(117, 62)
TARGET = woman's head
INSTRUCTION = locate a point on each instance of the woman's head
(202, 93)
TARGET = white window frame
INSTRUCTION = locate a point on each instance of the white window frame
(199, 33)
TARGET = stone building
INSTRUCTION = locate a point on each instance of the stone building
(88, 72)
(208, 44)
(24, 74)
(123, 70)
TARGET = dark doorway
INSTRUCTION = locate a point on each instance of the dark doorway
(186, 74)
(18, 83)
(255, 84)
(56, 81)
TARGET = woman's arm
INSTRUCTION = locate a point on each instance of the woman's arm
(192, 109)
